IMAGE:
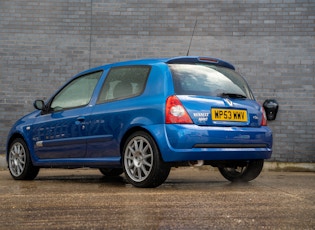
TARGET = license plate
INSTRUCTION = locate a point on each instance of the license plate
(229, 115)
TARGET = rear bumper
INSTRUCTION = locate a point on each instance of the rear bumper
(192, 142)
(217, 154)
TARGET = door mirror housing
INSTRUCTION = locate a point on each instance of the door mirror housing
(39, 104)
(271, 107)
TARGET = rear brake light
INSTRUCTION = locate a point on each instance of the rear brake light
(264, 117)
(175, 112)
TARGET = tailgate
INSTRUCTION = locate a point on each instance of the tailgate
(218, 111)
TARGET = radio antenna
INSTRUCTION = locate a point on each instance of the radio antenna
(192, 37)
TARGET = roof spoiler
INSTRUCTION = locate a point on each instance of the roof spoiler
(193, 60)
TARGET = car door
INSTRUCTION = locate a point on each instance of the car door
(61, 130)
(114, 108)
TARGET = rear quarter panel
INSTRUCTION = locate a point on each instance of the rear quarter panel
(110, 121)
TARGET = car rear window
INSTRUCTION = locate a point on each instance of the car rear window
(208, 80)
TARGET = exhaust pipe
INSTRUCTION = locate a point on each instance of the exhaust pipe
(197, 163)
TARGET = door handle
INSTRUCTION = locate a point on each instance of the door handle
(79, 120)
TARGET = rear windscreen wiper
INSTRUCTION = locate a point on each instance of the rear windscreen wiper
(231, 95)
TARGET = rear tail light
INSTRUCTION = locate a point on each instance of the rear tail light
(175, 112)
(264, 117)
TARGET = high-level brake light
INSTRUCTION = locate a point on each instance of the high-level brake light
(207, 59)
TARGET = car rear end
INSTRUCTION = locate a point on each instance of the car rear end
(212, 114)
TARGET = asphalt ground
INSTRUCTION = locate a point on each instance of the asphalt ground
(191, 198)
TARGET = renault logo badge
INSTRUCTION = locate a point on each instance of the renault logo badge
(228, 101)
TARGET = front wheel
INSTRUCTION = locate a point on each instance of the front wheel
(19, 161)
(142, 162)
(244, 172)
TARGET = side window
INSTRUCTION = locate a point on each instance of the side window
(124, 82)
(77, 93)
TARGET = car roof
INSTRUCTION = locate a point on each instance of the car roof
(173, 60)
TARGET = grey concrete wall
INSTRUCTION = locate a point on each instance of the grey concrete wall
(271, 42)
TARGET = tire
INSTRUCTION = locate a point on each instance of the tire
(111, 172)
(19, 161)
(142, 162)
(247, 172)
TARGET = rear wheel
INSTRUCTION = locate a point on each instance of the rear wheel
(142, 162)
(19, 161)
(245, 172)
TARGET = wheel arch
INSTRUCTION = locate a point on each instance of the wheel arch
(12, 138)
(133, 130)
(128, 133)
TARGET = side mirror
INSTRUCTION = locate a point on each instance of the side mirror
(39, 104)
(271, 107)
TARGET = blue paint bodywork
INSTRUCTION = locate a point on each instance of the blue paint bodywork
(93, 135)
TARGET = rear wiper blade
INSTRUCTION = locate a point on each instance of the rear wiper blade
(231, 95)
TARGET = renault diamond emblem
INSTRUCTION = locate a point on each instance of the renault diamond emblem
(228, 101)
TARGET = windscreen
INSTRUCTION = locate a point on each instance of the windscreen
(208, 80)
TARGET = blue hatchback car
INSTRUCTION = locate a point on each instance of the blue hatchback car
(143, 117)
